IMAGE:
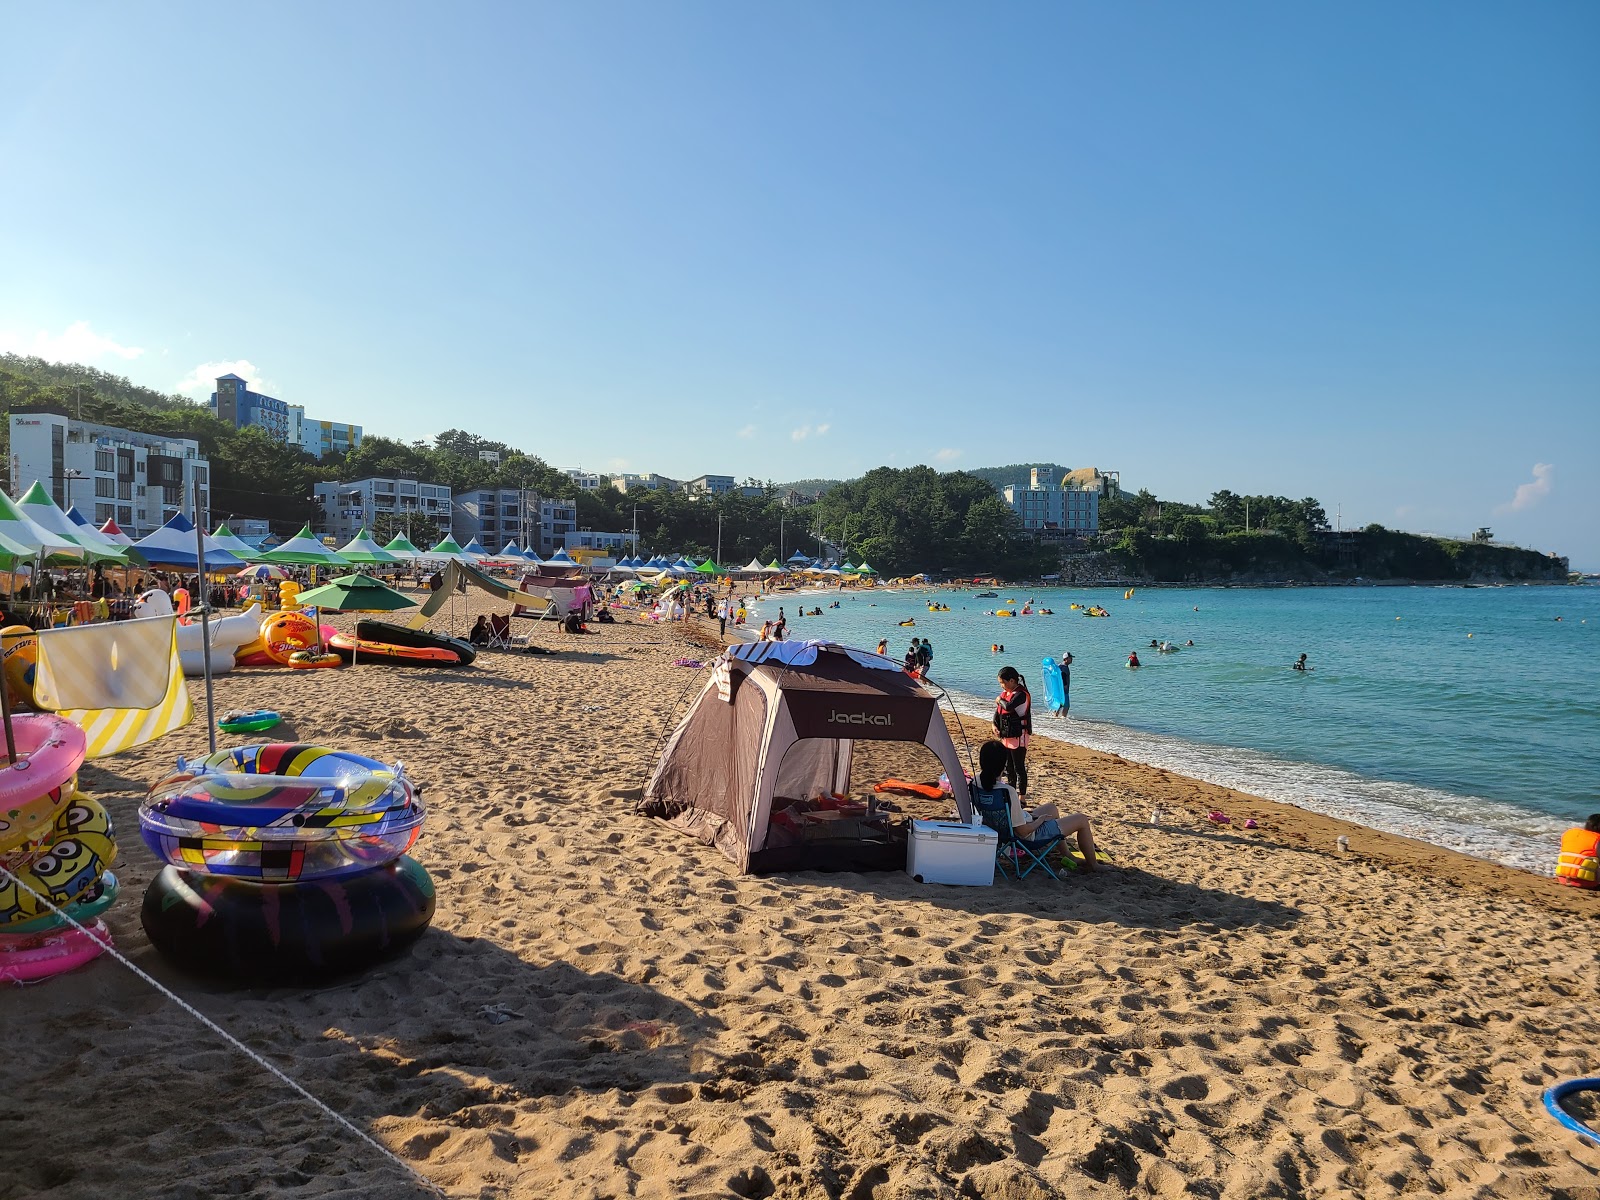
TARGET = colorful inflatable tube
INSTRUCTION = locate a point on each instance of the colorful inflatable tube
(35, 788)
(30, 959)
(80, 846)
(261, 933)
(82, 910)
(324, 814)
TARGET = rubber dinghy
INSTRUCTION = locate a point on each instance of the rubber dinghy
(381, 642)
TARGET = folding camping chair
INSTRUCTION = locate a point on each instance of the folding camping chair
(500, 636)
(1020, 854)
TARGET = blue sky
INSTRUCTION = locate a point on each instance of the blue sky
(1345, 251)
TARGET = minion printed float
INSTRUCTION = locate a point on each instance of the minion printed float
(56, 846)
(286, 863)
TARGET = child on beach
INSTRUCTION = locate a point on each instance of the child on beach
(1013, 721)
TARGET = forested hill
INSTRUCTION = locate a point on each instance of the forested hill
(998, 477)
(810, 488)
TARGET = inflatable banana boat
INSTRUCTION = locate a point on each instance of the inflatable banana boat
(379, 641)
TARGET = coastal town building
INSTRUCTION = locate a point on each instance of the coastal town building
(587, 481)
(377, 503)
(589, 541)
(138, 480)
(495, 516)
(626, 482)
(710, 485)
(557, 519)
(236, 403)
(1071, 507)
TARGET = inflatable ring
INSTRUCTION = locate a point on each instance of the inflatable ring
(325, 814)
(260, 933)
(253, 721)
(1553, 1097)
(30, 959)
(79, 848)
(82, 910)
(287, 632)
(309, 659)
(33, 789)
(21, 654)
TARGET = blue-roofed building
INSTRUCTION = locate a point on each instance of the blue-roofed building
(233, 401)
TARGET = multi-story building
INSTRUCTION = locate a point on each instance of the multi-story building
(557, 518)
(586, 480)
(650, 483)
(710, 485)
(233, 401)
(375, 502)
(1070, 508)
(137, 479)
(495, 516)
(580, 541)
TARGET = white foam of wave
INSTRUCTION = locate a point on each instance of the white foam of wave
(1489, 829)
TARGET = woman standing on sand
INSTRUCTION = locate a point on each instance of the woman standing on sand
(1013, 722)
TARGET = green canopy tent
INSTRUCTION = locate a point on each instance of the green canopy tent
(24, 530)
(709, 567)
(44, 512)
(449, 550)
(305, 551)
(362, 549)
(864, 569)
(400, 546)
(233, 544)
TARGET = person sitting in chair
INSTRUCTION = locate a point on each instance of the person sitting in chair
(480, 632)
(1043, 822)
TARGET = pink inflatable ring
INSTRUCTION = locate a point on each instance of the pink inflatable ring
(30, 959)
(34, 788)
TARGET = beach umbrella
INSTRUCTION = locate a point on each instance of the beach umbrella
(305, 551)
(400, 546)
(356, 593)
(113, 531)
(262, 572)
(173, 546)
(23, 530)
(233, 544)
(362, 549)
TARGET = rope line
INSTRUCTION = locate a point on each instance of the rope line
(422, 1180)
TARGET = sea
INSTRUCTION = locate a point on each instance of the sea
(1468, 717)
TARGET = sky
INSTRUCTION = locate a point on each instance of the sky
(1346, 251)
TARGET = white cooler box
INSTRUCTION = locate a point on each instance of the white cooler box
(950, 852)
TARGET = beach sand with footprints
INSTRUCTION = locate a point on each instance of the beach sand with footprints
(602, 1009)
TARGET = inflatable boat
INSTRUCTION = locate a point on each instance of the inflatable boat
(379, 641)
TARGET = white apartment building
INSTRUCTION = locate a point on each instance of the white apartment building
(626, 483)
(346, 507)
(710, 485)
(1068, 508)
(138, 480)
(587, 481)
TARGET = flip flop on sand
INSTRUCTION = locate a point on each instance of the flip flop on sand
(1220, 818)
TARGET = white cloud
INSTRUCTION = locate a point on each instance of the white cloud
(749, 431)
(823, 429)
(948, 455)
(800, 434)
(204, 377)
(1530, 493)
(77, 343)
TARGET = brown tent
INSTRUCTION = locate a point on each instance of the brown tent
(777, 723)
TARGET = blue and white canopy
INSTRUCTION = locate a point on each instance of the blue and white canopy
(474, 547)
(561, 559)
(173, 545)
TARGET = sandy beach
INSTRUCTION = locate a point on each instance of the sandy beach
(603, 1009)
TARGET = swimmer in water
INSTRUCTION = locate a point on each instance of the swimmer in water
(1190, 642)
(1301, 664)
(1133, 659)
(1154, 645)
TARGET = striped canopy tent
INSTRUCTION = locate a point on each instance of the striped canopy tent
(799, 559)
(773, 568)
(173, 546)
(864, 569)
(561, 559)
(400, 546)
(90, 536)
(532, 558)
(45, 513)
(24, 531)
(305, 551)
(474, 549)
(113, 531)
(231, 542)
(449, 550)
(510, 550)
(362, 549)
(848, 568)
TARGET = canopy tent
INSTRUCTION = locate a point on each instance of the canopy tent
(24, 531)
(356, 593)
(114, 532)
(44, 512)
(753, 567)
(799, 559)
(848, 569)
(864, 569)
(261, 572)
(173, 545)
(781, 726)
(709, 567)
(474, 548)
(225, 537)
(13, 554)
(303, 550)
(400, 546)
(90, 536)
(362, 549)
(510, 550)
(772, 568)
(449, 550)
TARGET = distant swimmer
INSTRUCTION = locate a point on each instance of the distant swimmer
(1301, 665)
(1190, 642)
(1133, 659)
(1154, 645)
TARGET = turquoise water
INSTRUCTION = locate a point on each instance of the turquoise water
(1488, 743)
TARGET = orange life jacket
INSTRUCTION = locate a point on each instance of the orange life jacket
(1577, 865)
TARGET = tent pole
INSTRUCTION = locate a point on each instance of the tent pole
(5, 714)
(205, 611)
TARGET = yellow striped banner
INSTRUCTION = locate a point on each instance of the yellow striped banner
(113, 730)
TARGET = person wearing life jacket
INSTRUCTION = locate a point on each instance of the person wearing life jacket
(1579, 864)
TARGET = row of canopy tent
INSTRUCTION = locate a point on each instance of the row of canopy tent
(683, 567)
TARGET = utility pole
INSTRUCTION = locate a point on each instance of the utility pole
(719, 539)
